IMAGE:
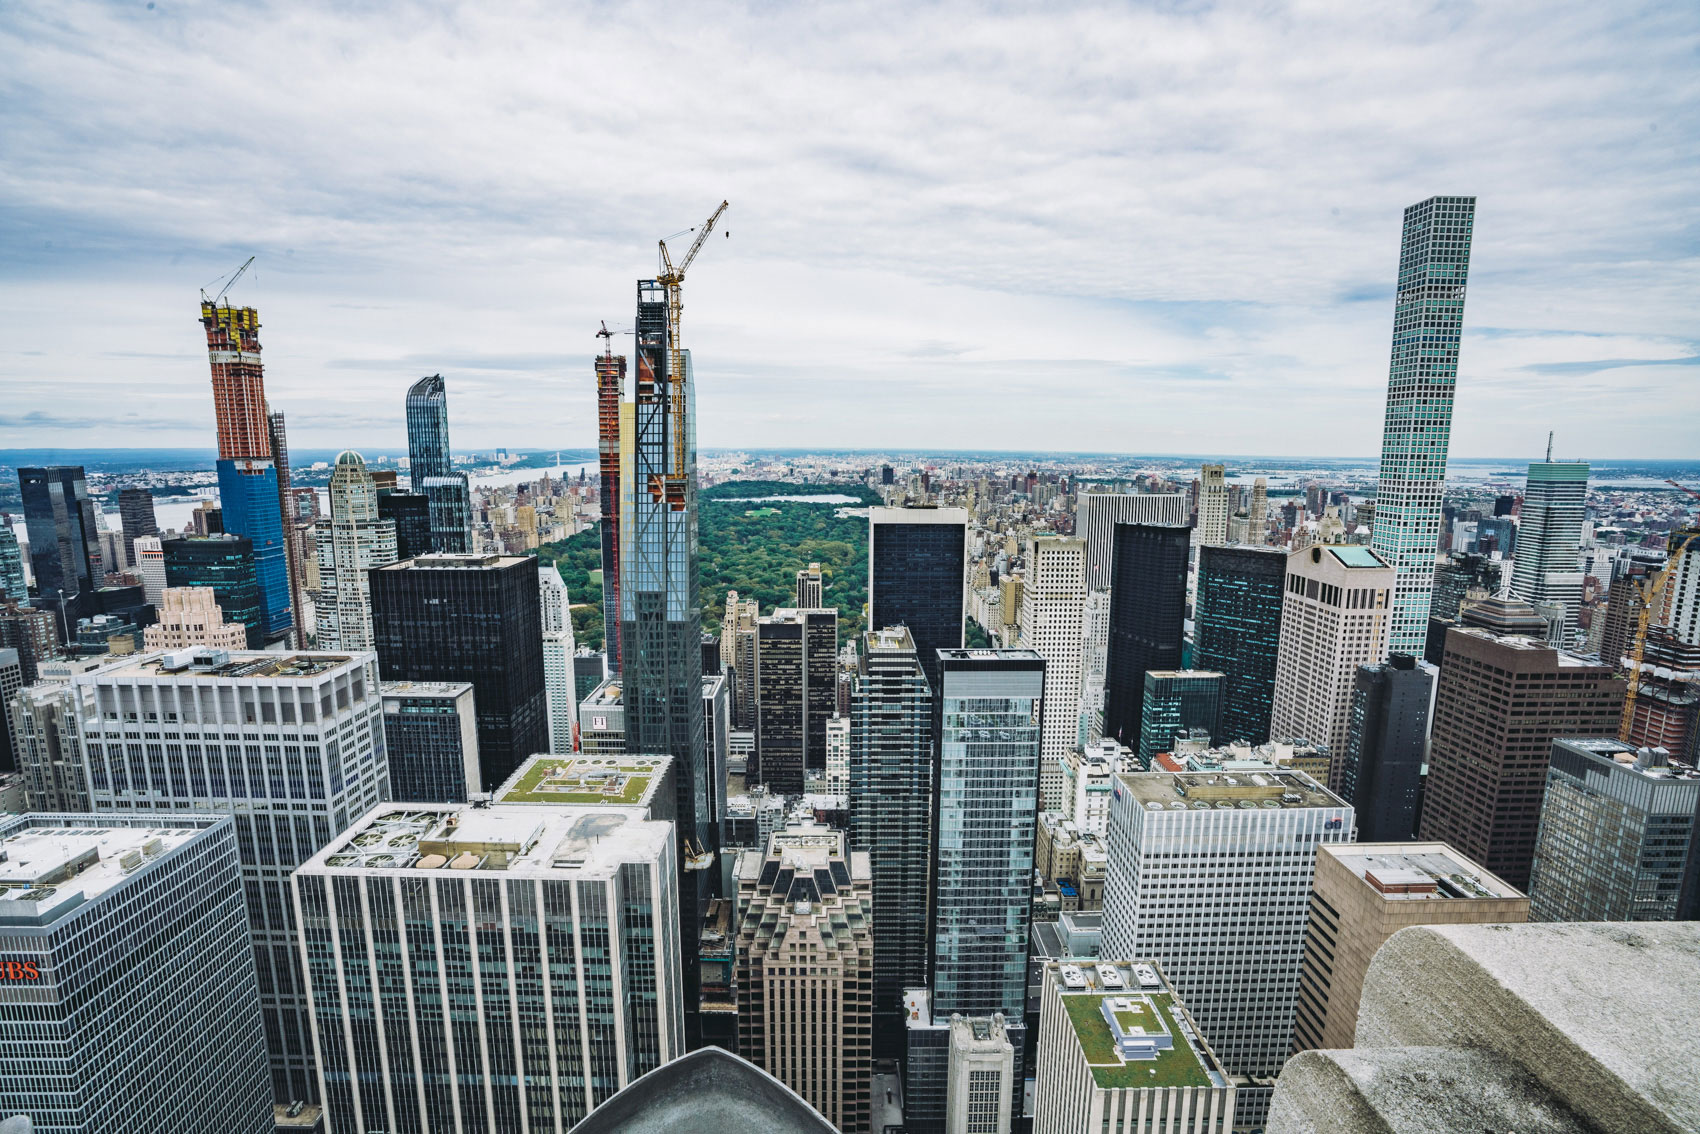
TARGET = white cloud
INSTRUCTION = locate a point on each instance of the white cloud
(1168, 228)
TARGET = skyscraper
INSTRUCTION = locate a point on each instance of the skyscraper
(493, 968)
(352, 542)
(1336, 618)
(411, 514)
(891, 790)
(660, 607)
(1053, 610)
(1683, 590)
(1177, 700)
(290, 787)
(1386, 743)
(431, 466)
(247, 472)
(292, 559)
(610, 397)
(1500, 702)
(64, 539)
(1212, 506)
(559, 646)
(12, 585)
(135, 510)
(472, 618)
(1147, 618)
(1237, 633)
(1096, 515)
(126, 912)
(809, 587)
(223, 564)
(190, 616)
(1428, 317)
(1209, 876)
(917, 577)
(149, 567)
(796, 692)
(431, 738)
(1619, 836)
(1546, 574)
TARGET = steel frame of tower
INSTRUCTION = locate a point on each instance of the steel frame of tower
(610, 383)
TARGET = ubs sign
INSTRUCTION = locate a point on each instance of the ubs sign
(19, 971)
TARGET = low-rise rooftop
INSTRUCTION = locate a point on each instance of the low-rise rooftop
(629, 780)
(201, 661)
(425, 688)
(1419, 871)
(49, 871)
(1133, 1031)
(1204, 791)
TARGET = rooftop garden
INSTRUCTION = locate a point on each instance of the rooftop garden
(531, 787)
(1177, 1067)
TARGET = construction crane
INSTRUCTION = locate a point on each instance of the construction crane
(234, 276)
(1652, 592)
(607, 338)
(671, 278)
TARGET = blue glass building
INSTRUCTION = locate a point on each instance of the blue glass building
(247, 493)
(431, 468)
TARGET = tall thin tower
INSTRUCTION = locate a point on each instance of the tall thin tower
(610, 385)
(247, 473)
(1428, 315)
(430, 467)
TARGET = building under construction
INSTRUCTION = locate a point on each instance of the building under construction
(610, 387)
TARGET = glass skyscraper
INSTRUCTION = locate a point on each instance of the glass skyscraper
(1147, 618)
(224, 564)
(1545, 573)
(431, 733)
(1177, 699)
(660, 608)
(1428, 318)
(1236, 632)
(917, 577)
(431, 469)
(129, 999)
(63, 535)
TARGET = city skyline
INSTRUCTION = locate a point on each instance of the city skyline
(1238, 290)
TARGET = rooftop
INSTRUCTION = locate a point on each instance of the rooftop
(1204, 791)
(603, 696)
(629, 780)
(49, 871)
(1419, 871)
(204, 662)
(442, 561)
(1651, 763)
(552, 841)
(1152, 1043)
(424, 688)
(1355, 555)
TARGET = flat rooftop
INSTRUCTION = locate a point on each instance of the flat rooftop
(235, 663)
(440, 561)
(424, 688)
(1355, 555)
(1203, 791)
(535, 841)
(1629, 761)
(50, 871)
(1419, 872)
(629, 780)
(1144, 1006)
(606, 694)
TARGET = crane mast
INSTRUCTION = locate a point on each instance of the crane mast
(671, 278)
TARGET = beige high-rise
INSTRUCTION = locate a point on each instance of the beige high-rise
(1053, 612)
(805, 965)
(1364, 893)
(1213, 506)
(190, 616)
(353, 541)
(1336, 617)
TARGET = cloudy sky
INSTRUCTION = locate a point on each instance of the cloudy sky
(1163, 228)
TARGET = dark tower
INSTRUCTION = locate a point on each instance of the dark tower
(917, 571)
(1147, 618)
(1237, 632)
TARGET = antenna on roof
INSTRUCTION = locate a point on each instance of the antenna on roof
(1549, 446)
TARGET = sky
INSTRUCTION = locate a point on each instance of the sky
(1125, 228)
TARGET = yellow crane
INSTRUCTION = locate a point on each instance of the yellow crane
(671, 278)
(1651, 592)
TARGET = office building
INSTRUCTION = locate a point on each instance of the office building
(1619, 836)
(1237, 632)
(1213, 507)
(891, 731)
(1500, 702)
(410, 512)
(1258, 529)
(1209, 876)
(1546, 574)
(129, 1000)
(1386, 744)
(805, 969)
(987, 718)
(1094, 667)
(1119, 1054)
(430, 467)
(716, 741)
(12, 585)
(1622, 615)
(472, 618)
(494, 968)
(223, 564)
(981, 1092)
(135, 511)
(1507, 616)
(642, 785)
(1336, 617)
(149, 567)
(837, 755)
(917, 574)
(1096, 515)
(589, 671)
(738, 656)
(1428, 317)
(290, 744)
(48, 747)
(1053, 611)
(64, 540)
(294, 563)
(1147, 619)
(11, 680)
(809, 587)
(351, 543)
(1457, 576)
(191, 616)
(31, 631)
(1364, 893)
(1682, 602)
(602, 720)
(1178, 701)
(796, 693)
(559, 649)
(431, 739)
(660, 602)
(248, 493)
(610, 392)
